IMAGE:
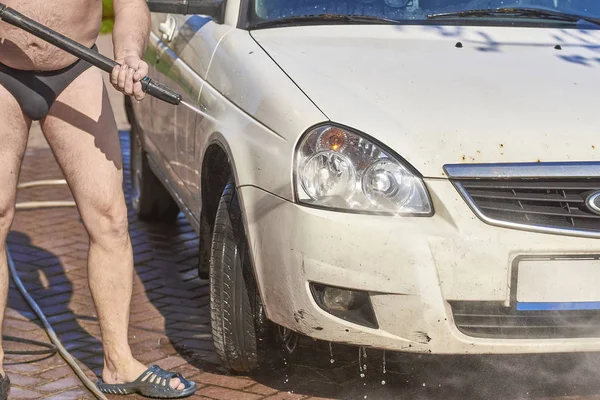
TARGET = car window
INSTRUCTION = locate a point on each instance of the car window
(409, 10)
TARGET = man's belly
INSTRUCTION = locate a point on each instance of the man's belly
(77, 19)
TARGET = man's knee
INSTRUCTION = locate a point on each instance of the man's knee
(108, 223)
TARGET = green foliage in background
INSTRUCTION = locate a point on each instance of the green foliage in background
(107, 16)
(107, 26)
(107, 9)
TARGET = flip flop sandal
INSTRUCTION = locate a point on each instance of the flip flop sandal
(154, 383)
(4, 387)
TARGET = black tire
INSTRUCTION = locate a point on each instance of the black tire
(149, 198)
(245, 341)
(232, 291)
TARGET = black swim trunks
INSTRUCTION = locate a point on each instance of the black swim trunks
(36, 91)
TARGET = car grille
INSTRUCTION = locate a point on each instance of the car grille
(556, 204)
(493, 320)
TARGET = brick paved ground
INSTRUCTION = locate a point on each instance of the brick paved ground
(170, 325)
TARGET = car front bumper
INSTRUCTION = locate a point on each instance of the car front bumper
(413, 268)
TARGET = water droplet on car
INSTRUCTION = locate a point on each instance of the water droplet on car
(359, 359)
(331, 353)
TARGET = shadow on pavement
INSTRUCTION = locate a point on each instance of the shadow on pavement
(46, 281)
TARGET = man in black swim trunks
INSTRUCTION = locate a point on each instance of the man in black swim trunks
(41, 82)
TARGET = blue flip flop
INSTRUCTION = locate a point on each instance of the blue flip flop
(155, 382)
(4, 387)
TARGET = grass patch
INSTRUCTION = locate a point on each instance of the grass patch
(107, 26)
(108, 15)
(107, 9)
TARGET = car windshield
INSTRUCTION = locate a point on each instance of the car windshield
(270, 12)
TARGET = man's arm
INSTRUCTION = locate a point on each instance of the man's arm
(130, 38)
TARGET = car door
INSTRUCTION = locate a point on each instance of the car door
(183, 57)
(159, 136)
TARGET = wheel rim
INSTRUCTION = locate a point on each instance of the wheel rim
(289, 339)
(137, 170)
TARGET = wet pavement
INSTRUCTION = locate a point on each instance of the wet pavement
(170, 325)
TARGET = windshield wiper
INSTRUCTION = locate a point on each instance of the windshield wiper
(517, 12)
(307, 19)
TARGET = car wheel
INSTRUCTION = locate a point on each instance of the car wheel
(149, 198)
(288, 341)
(245, 341)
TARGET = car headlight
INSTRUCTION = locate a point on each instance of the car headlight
(339, 169)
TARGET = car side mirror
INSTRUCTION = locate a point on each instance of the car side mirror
(210, 8)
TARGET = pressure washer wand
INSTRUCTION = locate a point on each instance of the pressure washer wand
(19, 20)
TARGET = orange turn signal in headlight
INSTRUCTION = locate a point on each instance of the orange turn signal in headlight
(333, 139)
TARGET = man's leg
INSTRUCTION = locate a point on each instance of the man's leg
(14, 131)
(82, 133)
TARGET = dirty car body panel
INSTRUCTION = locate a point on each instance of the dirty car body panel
(497, 119)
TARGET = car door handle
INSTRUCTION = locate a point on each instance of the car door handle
(167, 28)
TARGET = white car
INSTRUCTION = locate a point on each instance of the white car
(407, 175)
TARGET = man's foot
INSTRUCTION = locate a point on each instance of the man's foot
(151, 382)
(129, 372)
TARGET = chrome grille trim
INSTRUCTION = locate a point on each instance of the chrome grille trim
(524, 170)
(522, 176)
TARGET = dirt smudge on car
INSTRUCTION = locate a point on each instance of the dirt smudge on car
(299, 315)
(423, 337)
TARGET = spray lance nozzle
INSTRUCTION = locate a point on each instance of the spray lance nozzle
(158, 90)
(15, 18)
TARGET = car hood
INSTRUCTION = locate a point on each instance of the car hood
(440, 95)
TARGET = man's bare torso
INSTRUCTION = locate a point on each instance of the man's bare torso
(77, 19)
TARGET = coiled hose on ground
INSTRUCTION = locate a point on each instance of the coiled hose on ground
(57, 345)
